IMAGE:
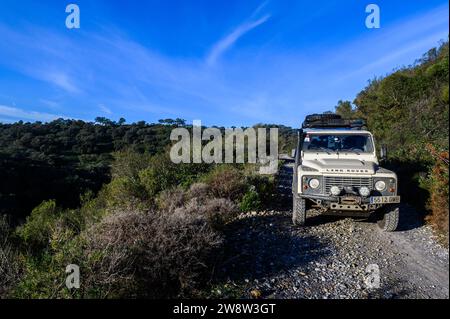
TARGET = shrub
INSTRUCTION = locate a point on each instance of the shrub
(124, 192)
(9, 266)
(45, 276)
(47, 219)
(151, 254)
(197, 201)
(4, 228)
(438, 202)
(218, 211)
(201, 191)
(129, 253)
(163, 174)
(264, 186)
(226, 181)
(159, 175)
(170, 199)
(92, 208)
(128, 163)
(250, 201)
(35, 233)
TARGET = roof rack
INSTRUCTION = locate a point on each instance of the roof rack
(331, 120)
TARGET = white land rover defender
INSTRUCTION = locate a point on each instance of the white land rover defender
(337, 171)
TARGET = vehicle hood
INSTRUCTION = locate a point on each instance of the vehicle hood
(336, 166)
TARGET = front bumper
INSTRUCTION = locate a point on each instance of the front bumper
(350, 203)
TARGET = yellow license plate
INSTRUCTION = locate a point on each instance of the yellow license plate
(384, 199)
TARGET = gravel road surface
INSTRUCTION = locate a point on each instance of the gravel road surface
(331, 257)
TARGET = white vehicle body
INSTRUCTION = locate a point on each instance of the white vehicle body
(347, 170)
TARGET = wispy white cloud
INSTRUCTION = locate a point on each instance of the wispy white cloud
(25, 48)
(228, 41)
(105, 109)
(16, 113)
(394, 46)
(50, 104)
(137, 82)
(259, 9)
(60, 79)
(389, 59)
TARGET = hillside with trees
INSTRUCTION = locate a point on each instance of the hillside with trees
(408, 112)
(65, 158)
(106, 196)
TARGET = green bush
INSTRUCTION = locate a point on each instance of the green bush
(123, 191)
(128, 163)
(162, 174)
(250, 201)
(265, 187)
(35, 233)
(159, 175)
(44, 276)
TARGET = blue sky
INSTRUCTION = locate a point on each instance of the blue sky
(225, 63)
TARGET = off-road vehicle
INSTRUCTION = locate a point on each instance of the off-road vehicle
(337, 171)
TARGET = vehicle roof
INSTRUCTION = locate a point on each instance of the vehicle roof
(335, 131)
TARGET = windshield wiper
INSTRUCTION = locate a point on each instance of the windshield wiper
(351, 150)
(327, 150)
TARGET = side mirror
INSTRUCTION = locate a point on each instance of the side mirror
(383, 153)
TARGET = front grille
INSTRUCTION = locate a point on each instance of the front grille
(343, 181)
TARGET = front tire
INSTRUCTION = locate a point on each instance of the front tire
(298, 210)
(390, 219)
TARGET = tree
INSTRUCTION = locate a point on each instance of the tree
(104, 121)
(345, 109)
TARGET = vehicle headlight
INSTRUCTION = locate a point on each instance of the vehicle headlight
(335, 191)
(380, 186)
(314, 183)
(364, 191)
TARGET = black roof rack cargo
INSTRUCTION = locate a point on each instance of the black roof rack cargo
(331, 120)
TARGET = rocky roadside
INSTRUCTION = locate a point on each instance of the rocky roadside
(330, 257)
(267, 257)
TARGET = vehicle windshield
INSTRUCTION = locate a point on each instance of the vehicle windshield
(357, 143)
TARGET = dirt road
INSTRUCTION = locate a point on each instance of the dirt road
(331, 257)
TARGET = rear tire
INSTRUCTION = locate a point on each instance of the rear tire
(390, 219)
(298, 210)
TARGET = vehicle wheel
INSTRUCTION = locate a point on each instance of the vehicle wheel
(390, 219)
(298, 210)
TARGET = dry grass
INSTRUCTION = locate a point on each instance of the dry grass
(151, 254)
(170, 199)
(201, 191)
(226, 182)
(9, 266)
(158, 254)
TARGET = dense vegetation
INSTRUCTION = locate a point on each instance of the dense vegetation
(408, 111)
(64, 158)
(105, 195)
(139, 225)
(156, 230)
